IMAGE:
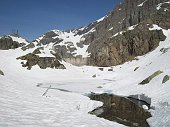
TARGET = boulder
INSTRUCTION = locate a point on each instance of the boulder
(29, 46)
(147, 80)
(1, 72)
(165, 79)
(37, 50)
(42, 62)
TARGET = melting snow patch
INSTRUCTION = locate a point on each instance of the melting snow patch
(155, 27)
(132, 27)
(101, 19)
(159, 5)
(110, 29)
(129, 28)
(140, 5)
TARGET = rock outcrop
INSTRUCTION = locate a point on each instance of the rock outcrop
(6, 43)
(147, 80)
(29, 46)
(165, 79)
(1, 72)
(124, 47)
(42, 62)
(107, 49)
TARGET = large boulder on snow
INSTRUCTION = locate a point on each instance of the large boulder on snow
(42, 62)
(165, 79)
(1, 72)
(147, 80)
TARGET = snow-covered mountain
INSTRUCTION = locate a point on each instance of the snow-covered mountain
(115, 38)
(41, 96)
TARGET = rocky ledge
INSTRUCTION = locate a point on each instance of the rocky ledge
(6, 43)
(1, 72)
(125, 46)
(42, 62)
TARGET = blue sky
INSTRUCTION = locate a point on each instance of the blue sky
(33, 18)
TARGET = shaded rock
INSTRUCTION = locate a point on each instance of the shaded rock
(48, 38)
(99, 87)
(37, 51)
(42, 62)
(51, 62)
(125, 47)
(101, 69)
(165, 79)
(136, 68)
(110, 69)
(94, 76)
(107, 50)
(1, 72)
(147, 80)
(6, 43)
(164, 50)
(29, 46)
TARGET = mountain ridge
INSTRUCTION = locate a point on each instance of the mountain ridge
(96, 38)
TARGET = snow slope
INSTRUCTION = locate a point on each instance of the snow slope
(22, 103)
(18, 39)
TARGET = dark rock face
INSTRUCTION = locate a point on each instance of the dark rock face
(48, 38)
(121, 110)
(29, 46)
(122, 48)
(42, 62)
(165, 79)
(37, 51)
(7, 43)
(1, 72)
(107, 50)
(162, 16)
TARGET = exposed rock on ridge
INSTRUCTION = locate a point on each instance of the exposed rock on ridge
(7, 43)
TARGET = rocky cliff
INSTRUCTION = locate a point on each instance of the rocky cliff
(124, 33)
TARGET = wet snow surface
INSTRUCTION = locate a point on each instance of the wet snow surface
(22, 103)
